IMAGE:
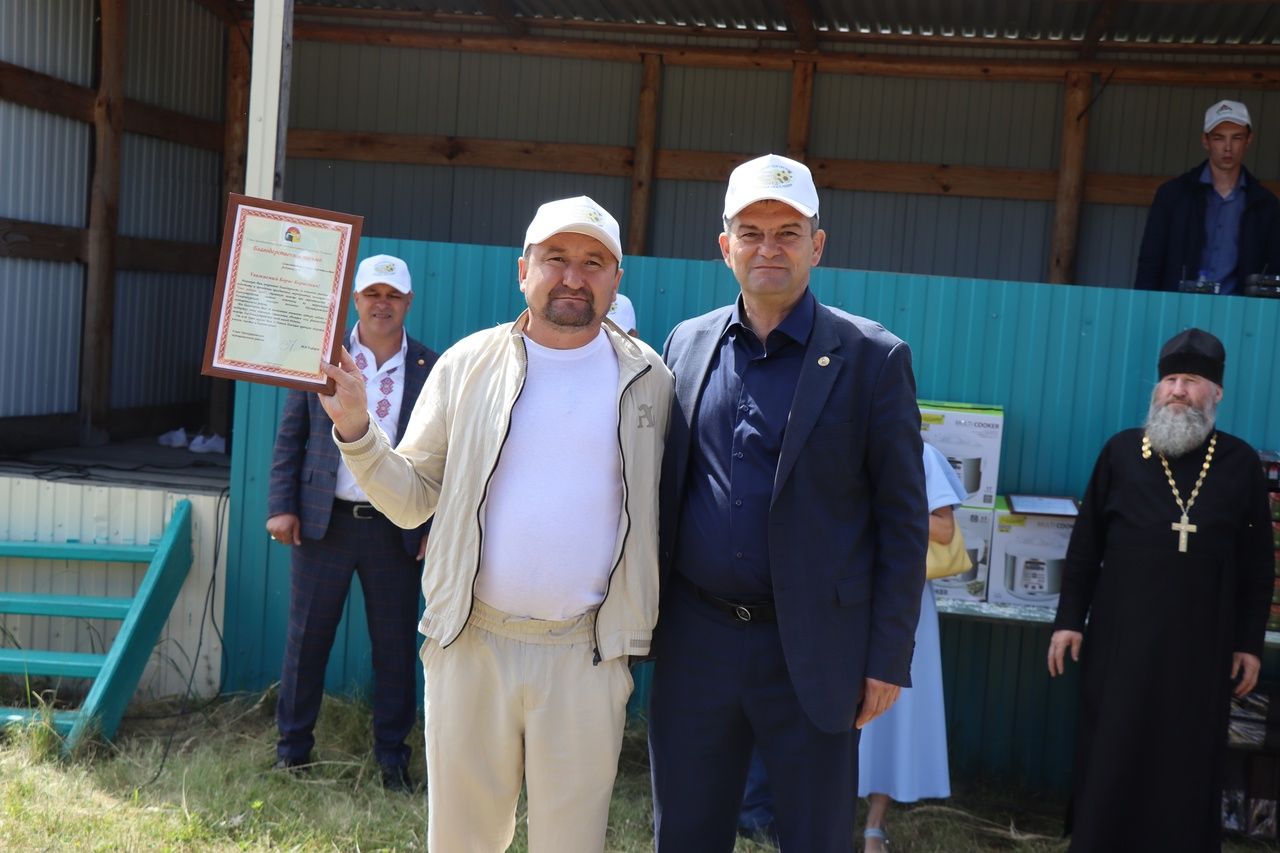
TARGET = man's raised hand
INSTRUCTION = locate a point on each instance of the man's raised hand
(348, 406)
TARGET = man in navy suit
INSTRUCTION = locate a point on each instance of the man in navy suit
(316, 506)
(793, 536)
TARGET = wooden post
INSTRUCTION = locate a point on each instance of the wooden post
(801, 110)
(234, 145)
(646, 143)
(104, 195)
(236, 115)
(1066, 209)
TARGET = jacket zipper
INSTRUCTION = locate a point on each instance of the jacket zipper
(626, 530)
(484, 496)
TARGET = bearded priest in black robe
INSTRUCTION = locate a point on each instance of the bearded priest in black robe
(1171, 564)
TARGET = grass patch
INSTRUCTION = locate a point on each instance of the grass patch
(180, 781)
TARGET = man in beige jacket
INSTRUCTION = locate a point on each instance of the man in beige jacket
(537, 446)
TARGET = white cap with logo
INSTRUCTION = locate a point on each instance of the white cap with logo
(578, 215)
(622, 312)
(383, 269)
(771, 177)
(1232, 111)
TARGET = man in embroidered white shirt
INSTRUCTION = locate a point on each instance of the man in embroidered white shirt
(536, 448)
(316, 506)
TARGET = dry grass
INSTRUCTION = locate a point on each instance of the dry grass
(200, 781)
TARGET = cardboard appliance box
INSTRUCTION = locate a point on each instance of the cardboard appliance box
(1028, 557)
(969, 436)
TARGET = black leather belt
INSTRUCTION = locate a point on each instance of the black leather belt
(743, 611)
(362, 511)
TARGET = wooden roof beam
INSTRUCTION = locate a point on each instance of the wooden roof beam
(801, 19)
(880, 65)
(505, 14)
(1098, 26)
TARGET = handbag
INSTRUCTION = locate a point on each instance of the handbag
(944, 561)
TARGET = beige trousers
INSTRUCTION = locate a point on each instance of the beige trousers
(517, 698)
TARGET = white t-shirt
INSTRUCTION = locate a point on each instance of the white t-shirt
(551, 517)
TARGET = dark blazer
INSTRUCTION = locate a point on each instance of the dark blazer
(848, 525)
(304, 464)
(1173, 240)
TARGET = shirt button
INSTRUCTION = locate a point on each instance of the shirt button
(738, 455)
(738, 555)
(738, 502)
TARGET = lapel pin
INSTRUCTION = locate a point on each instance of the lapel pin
(823, 361)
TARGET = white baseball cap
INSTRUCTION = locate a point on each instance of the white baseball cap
(622, 312)
(771, 177)
(383, 269)
(1232, 111)
(578, 215)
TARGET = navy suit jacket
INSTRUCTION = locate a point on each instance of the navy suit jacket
(848, 522)
(304, 464)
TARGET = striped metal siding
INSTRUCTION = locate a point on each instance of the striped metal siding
(40, 312)
(174, 54)
(161, 321)
(46, 511)
(44, 165)
(393, 90)
(169, 191)
(1071, 365)
(54, 37)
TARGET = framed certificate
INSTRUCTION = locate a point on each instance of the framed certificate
(280, 299)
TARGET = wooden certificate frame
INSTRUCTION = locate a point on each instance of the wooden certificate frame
(280, 299)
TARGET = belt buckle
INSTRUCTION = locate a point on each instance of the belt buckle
(359, 511)
(742, 612)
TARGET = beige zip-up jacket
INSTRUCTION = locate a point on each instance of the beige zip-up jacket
(447, 456)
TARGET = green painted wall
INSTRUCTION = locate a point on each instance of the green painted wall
(1070, 365)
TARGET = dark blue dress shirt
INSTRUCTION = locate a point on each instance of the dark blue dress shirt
(723, 540)
(1222, 233)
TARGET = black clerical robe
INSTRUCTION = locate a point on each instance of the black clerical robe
(1162, 626)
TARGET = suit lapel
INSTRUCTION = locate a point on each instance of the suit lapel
(817, 377)
(690, 376)
(415, 375)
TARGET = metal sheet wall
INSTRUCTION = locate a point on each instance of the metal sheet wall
(54, 37)
(44, 169)
(40, 308)
(174, 55)
(393, 90)
(161, 320)
(46, 511)
(44, 165)
(167, 191)
(1071, 366)
(1133, 129)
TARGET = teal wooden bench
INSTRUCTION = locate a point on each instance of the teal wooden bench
(115, 674)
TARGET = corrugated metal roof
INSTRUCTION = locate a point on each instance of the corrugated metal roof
(1227, 24)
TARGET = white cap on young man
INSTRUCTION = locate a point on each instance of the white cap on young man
(622, 312)
(579, 215)
(1232, 111)
(383, 269)
(771, 177)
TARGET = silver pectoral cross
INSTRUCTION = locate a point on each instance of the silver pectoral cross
(1183, 529)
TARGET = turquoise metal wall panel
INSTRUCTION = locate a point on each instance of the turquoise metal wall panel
(1070, 365)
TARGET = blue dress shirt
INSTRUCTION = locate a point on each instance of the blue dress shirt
(723, 540)
(1222, 233)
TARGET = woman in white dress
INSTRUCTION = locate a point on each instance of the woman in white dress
(903, 754)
